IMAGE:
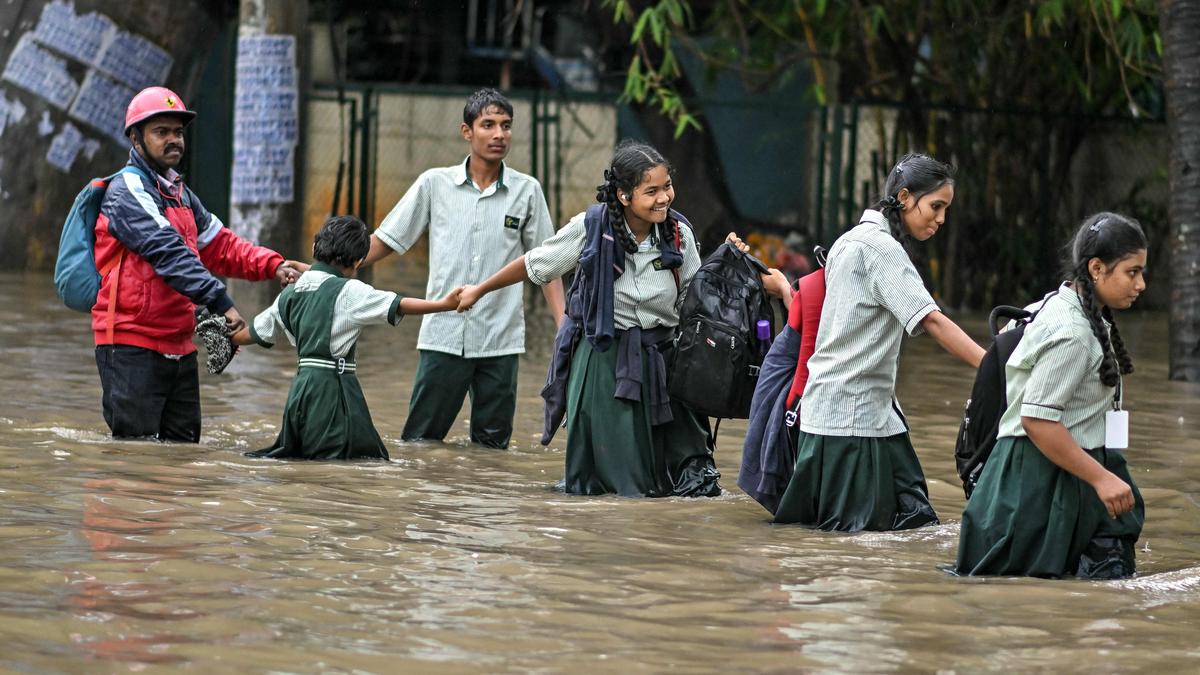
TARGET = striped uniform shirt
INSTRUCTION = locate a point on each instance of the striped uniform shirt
(1054, 373)
(472, 234)
(873, 296)
(358, 305)
(642, 296)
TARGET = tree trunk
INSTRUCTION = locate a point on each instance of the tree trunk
(1181, 56)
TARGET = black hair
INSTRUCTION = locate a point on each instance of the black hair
(1111, 237)
(480, 101)
(921, 174)
(342, 241)
(631, 161)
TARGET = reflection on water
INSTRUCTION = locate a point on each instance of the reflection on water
(124, 556)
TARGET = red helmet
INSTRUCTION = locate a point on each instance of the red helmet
(155, 101)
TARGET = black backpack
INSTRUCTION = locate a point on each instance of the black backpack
(714, 368)
(989, 396)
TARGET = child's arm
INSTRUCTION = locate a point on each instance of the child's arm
(421, 306)
(241, 337)
(512, 273)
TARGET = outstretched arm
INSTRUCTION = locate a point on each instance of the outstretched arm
(952, 338)
(422, 306)
(512, 273)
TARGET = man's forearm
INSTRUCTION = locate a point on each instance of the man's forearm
(378, 251)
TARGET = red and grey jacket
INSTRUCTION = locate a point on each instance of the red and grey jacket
(167, 248)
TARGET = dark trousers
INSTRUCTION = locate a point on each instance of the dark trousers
(443, 380)
(149, 395)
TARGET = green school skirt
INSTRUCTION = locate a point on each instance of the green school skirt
(326, 417)
(1028, 517)
(852, 483)
(613, 448)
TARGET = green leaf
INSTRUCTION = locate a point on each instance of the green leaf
(639, 27)
(1116, 9)
(675, 12)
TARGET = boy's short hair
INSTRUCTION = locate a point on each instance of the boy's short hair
(483, 99)
(342, 241)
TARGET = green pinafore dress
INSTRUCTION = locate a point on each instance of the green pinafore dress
(326, 415)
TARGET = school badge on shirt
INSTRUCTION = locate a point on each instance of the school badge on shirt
(512, 222)
(658, 264)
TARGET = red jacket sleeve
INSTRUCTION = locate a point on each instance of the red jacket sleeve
(229, 255)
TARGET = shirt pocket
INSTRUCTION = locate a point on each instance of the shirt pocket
(515, 220)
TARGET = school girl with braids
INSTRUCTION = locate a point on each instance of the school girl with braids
(633, 257)
(1053, 500)
(855, 465)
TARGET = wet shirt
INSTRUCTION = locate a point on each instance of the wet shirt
(472, 234)
(1054, 373)
(357, 305)
(873, 295)
(643, 296)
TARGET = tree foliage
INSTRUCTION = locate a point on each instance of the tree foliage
(1007, 90)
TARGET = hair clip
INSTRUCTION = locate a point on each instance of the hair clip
(1095, 227)
(900, 167)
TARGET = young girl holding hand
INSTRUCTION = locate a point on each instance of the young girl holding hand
(633, 257)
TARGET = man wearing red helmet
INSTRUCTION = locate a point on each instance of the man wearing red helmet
(163, 249)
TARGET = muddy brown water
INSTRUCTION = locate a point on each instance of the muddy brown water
(148, 557)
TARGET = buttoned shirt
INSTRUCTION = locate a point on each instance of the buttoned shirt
(873, 295)
(642, 296)
(473, 232)
(1054, 373)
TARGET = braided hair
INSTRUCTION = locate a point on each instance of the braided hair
(1110, 237)
(921, 174)
(630, 162)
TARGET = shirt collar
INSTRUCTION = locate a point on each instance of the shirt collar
(326, 268)
(466, 174)
(169, 183)
(875, 218)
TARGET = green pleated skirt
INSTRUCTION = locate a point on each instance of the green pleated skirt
(853, 483)
(326, 417)
(1028, 517)
(612, 448)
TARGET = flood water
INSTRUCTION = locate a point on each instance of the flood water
(139, 556)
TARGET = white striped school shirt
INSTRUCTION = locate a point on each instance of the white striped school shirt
(873, 296)
(1054, 373)
(358, 305)
(472, 234)
(642, 296)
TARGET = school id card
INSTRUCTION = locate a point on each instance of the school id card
(1116, 429)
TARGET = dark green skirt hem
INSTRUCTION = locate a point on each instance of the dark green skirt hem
(853, 483)
(1028, 517)
(326, 417)
(612, 448)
